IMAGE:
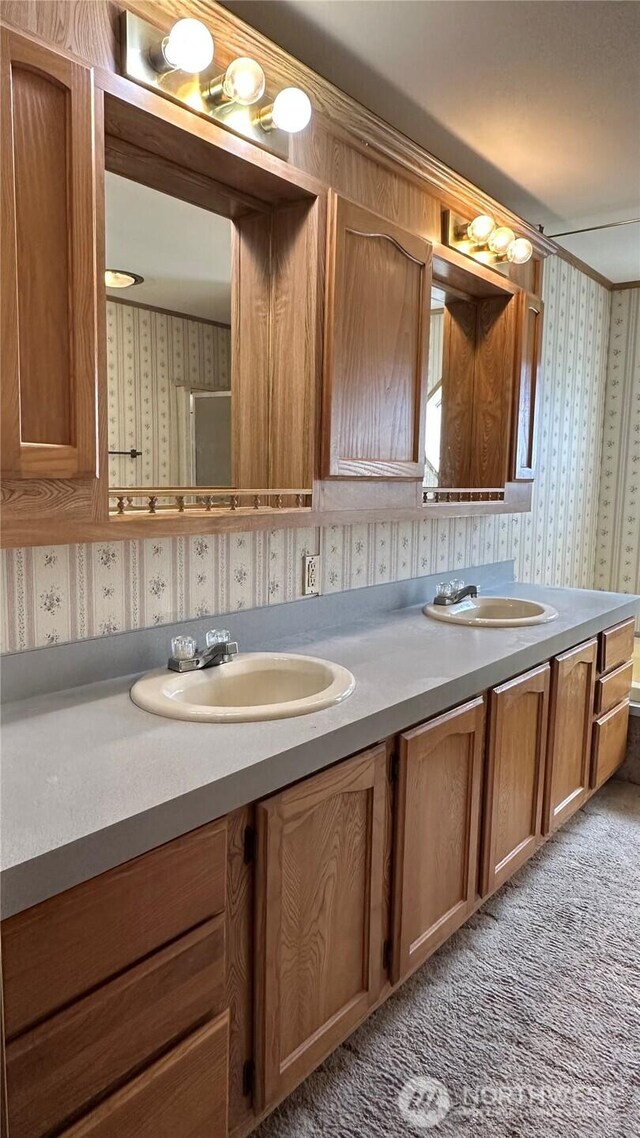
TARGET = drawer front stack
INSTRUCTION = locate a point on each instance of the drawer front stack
(611, 724)
(104, 987)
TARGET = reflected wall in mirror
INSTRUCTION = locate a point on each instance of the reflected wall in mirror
(168, 340)
(470, 384)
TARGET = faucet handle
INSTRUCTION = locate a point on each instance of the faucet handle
(443, 589)
(217, 636)
(183, 648)
(456, 585)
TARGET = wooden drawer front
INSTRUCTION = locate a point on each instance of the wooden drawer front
(56, 1070)
(183, 1095)
(57, 951)
(609, 743)
(616, 645)
(613, 688)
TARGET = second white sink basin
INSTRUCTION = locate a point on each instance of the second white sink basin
(254, 685)
(493, 612)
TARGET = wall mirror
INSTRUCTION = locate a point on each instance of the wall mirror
(470, 382)
(168, 285)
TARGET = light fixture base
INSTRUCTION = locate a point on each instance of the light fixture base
(140, 45)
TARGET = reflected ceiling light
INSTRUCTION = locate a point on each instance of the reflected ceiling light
(519, 251)
(243, 82)
(500, 240)
(121, 278)
(480, 229)
(188, 47)
(290, 111)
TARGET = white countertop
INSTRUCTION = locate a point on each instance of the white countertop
(89, 780)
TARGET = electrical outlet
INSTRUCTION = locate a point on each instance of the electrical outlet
(311, 575)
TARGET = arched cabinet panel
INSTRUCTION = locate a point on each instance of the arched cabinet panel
(49, 280)
(376, 346)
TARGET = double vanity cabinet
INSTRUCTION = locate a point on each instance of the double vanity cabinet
(186, 992)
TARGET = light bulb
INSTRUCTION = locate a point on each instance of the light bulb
(519, 251)
(480, 229)
(244, 81)
(121, 278)
(501, 239)
(291, 110)
(189, 46)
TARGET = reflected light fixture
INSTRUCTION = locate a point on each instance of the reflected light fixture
(243, 83)
(519, 251)
(290, 111)
(500, 240)
(121, 278)
(188, 47)
(480, 229)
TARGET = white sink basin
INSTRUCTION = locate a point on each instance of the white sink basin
(493, 612)
(254, 685)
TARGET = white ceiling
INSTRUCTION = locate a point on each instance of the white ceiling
(538, 103)
(183, 252)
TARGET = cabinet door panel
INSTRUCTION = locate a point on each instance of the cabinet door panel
(515, 773)
(49, 294)
(438, 817)
(376, 346)
(573, 677)
(319, 924)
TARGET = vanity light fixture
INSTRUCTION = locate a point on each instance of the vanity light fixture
(121, 278)
(290, 111)
(243, 82)
(484, 239)
(188, 47)
(180, 65)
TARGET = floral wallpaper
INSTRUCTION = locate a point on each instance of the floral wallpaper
(618, 547)
(153, 361)
(74, 592)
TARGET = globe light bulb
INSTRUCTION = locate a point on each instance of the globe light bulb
(291, 110)
(480, 229)
(244, 81)
(189, 46)
(501, 239)
(520, 251)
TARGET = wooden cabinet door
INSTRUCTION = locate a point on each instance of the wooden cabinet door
(49, 274)
(527, 371)
(437, 832)
(573, 677)
(376, 346)
(319, 939)
(516, 748)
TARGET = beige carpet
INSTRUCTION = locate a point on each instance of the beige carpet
(529, 1016)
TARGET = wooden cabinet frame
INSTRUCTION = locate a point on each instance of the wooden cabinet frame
(58, 492)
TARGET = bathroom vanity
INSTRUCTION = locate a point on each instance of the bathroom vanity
(313, 863)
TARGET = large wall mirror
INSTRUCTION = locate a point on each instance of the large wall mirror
(168, 340)
(470, 382)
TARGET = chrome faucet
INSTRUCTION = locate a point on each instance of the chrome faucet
(187, 657)
(450, 592)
